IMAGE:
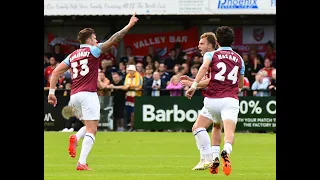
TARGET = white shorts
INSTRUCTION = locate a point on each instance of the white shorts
(86, 105)
(217, 109)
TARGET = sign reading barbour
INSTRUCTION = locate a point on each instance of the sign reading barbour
(161, 113)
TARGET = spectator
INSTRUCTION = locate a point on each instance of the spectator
(194, 71)
(245, 88)
(248, 66)
(106, 66)
(186, 70)
(49, 52)
(119, 98)
(155, 86)
(57, 53)
(178, 70)
(153, 53)
(147, 61)
(267, 67)
(165, 76)
(127, 55)
(271, 53)
(104, 87)
(46, 61)
(253, 54)
(140, 69)
(174, 87)
(171, 61)
(257, 65)
(259, 87)
(122, 70)
(109, 56)
(196, 61)
(131, 61)
(104, 93)
(148, 74)
(156, 65)
(187, 59)
(64, 84)
(48, 70)
(272, 85)
(133, 84)
(179, 52)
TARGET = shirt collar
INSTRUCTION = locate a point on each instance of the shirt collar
(85, 45)
(224, 48)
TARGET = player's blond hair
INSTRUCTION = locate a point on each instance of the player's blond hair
(211, 37)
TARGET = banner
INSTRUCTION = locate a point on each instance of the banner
(54, 119)
(156, 7)
(163, 42)
(66, 44)
(179, 113)
(106, 112)
(248, 37)
(69, 45)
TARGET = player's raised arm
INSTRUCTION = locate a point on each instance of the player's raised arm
(115, 38)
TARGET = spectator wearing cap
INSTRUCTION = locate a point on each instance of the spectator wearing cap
(133, 84)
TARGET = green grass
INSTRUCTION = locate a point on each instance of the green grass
(155, 156)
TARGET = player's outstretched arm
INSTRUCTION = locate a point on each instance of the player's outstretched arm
(115, 38)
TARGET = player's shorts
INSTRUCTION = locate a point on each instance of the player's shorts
(86, 105)
(217, 109)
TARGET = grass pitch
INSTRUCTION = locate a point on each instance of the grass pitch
(155, 156)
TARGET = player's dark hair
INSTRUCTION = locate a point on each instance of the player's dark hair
(84, 34)
(211, 38)
(225, 36)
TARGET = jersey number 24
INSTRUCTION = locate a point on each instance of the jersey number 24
(232, 76)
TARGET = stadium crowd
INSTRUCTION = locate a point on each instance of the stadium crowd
(132, 76)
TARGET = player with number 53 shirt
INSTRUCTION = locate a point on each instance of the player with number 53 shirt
(221, 102)
(84, 65)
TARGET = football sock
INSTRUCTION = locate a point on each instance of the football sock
(198, 146)
(228, 147)
(86, 147)
(215, 151)
(203, 142)
(80, 134)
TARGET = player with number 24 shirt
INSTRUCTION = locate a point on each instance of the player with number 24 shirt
(221, 102)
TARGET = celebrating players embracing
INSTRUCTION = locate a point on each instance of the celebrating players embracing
(221, 102)
(84, 66)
